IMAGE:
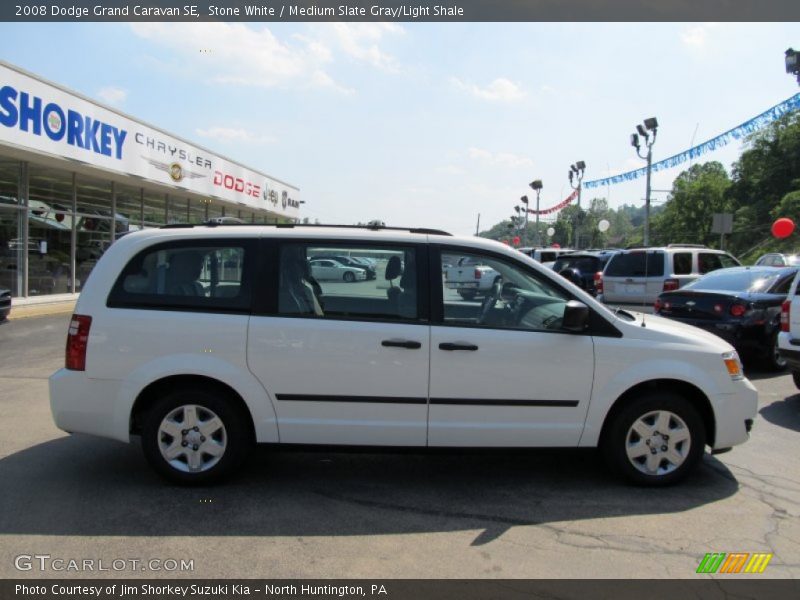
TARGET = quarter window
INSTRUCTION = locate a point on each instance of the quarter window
(682, 263)
(185, 276)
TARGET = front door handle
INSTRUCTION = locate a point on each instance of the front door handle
(410, 344)
(458, 346)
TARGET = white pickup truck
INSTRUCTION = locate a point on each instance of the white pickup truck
(470, 278)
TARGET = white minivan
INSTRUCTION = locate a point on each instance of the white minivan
(203, 340)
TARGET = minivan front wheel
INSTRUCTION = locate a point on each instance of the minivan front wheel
(195, 437)
(658, 439)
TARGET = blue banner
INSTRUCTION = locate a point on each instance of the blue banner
(736, 133)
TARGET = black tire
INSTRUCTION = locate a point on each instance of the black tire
(237, 434)
(796, 377)
(614, 444)
(772, 359)
(349, 277)
(467, 294)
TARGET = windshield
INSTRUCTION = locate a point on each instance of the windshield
(736, 281)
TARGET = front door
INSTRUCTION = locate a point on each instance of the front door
(503, 371)
(346, 362)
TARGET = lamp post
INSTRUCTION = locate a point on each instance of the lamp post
(648, 132)
(793, 63)
(536, 185)
(524, 208)
(576, 175)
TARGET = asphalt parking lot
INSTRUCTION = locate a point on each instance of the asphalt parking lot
(380, 515)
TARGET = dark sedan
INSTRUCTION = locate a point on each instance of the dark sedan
(742, 305)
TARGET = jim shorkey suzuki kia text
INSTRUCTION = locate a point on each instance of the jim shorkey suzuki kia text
(201, 341)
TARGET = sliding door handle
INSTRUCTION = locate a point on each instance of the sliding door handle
(410, 344)
(458, 346)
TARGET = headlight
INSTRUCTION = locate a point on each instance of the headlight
(734, 365)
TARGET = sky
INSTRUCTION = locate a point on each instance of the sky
(424, 124)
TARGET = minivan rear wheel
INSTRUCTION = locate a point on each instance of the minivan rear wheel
(195, 436)
(656, 440)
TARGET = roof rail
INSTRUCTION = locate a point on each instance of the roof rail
(686, 246)
(238, 223)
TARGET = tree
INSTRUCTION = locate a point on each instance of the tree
(697, 194)
(766, 172)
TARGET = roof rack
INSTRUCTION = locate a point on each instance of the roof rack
(216, 222)
(686, 246)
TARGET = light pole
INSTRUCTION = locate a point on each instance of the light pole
(576, 174)
(793, 63)
(536, 185)
(650, 125)
(524, 208)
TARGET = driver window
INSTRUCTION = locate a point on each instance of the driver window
(485, 291)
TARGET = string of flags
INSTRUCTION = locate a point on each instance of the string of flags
(746, 128)
(723, 139)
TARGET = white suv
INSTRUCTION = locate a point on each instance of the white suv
(203, 340)
(789, 336)
(639, 275)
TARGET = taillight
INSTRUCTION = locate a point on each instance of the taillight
(785, 307)
(477, 273)
(77, 341)
(598, 282)
(657, 305)
(670, 285)
(737, 310)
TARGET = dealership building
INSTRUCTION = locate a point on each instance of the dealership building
(75, 175)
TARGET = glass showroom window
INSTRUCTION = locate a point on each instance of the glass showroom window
(94, 225)
(50, 222)
(129, 209)
(11, 215)
(154, 209)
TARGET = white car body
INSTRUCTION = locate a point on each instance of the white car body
(269, 360)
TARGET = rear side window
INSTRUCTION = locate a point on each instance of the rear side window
(332, 289)
(707, 262)
(184, 276)
(636, 264)
(682, 263)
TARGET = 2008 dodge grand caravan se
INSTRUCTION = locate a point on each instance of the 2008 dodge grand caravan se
(203, 340)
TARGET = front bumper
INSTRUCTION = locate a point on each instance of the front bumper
(734, 414)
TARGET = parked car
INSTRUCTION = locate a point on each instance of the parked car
(639, 275)
(741, 305)
(199, 367)
(5, 304)
(351, 261)
(545, 255)
(774, 259)
(328, 269)
(584, 268)
(789, 336)
(470, 278)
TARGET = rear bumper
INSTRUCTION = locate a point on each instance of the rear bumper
(792, 358)
(83, 405)
(742, 337)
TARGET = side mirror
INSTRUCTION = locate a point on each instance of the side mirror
(576, 316)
